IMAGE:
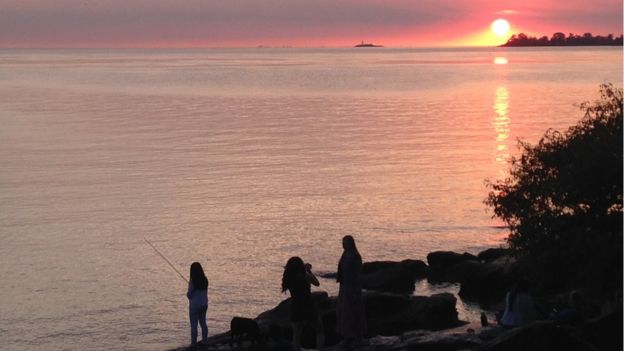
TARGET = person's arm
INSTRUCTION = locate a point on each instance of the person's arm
(310, 277)
(189, 290)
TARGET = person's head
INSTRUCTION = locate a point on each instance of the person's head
(294, 267)
(198, 277)
(348, 243)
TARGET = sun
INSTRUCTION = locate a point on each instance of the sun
(500, 27)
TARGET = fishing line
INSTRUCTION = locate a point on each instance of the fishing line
(165, 258)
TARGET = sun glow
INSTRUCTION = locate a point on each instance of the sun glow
(500, 60)
(500, 27)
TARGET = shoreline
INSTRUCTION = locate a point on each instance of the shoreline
(433, 323)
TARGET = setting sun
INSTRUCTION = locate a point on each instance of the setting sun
(500, 27)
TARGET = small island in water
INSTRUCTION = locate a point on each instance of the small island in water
(560, 39)
(367, 45)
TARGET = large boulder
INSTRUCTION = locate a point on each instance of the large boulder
(492, 254)
(386, 314)
(442, 260)
(605, 331)
(390, 314)
(491, 282)
(280, 316)
(463, 338)
(462, 271)
(397, 277)
(539, 336)
(450, 266)
(390, 276)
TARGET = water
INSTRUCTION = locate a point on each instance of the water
(240, 159)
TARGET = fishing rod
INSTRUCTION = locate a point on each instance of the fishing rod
(165, 258)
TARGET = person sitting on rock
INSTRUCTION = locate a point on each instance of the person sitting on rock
(574, 313)
(519, 306)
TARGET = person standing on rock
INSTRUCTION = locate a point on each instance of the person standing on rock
(197, 294)
(350, 318)
(297, 279)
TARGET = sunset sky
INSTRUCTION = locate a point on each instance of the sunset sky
(299, 23)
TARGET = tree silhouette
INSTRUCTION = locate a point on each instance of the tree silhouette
(563, 198)
(560, 39)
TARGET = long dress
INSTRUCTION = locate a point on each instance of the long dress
(351, 321)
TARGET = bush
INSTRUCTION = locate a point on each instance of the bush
(562, 200)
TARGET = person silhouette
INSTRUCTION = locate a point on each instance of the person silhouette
(197, 294)
(297, 279)
(350, 318)
(520, 308)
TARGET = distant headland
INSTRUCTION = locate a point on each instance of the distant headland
(367, 45)
(560, 39)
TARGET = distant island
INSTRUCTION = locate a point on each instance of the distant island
(368, 45)
(560, 39)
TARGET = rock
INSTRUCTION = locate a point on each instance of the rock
(605, 332)
(449, 266)
(389, 314)
(439, 341)
(442, 260)
(280, 316)
(461, 338)
(492, 281)
(462, 271)
(386, 314)
(492, 254)
(384, 342)
(327, 275)
(538, 336)
(390, 276)
(397, 277)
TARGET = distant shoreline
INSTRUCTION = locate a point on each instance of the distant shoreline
(560, 39)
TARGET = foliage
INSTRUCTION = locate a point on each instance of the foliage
(564, 194)
(560, 39)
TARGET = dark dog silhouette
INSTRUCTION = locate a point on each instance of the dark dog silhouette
(244, 329)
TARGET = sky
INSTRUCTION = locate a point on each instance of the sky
(297, 23)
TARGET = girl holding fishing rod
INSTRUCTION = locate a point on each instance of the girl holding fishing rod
(198, 302)
(197, 294)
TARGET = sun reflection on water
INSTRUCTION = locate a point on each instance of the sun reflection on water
(501, 126)
(500, 60)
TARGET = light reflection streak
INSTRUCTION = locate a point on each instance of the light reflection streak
(501, 127)
(500, 60)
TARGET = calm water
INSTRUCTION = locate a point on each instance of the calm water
(240, 159)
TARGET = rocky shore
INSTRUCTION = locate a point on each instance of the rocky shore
(398, 320)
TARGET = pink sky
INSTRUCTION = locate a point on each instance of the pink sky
(300, 23)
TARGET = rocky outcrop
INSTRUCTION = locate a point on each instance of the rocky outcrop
(396, 277)
(605, 332)
(389, 314)
(386, 314)
(442, 260)
(450, 266)
(390, 276)
(491, 281)
(492, 254)
(539, 336)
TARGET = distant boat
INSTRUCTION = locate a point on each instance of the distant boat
(368, 45)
